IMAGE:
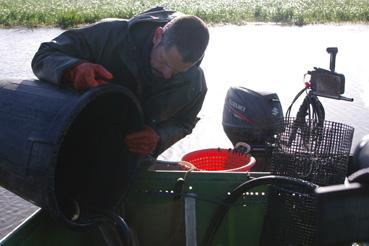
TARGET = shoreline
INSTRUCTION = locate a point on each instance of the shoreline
(72, 13)
(214, 25)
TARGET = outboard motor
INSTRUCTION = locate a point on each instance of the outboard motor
(250, 119)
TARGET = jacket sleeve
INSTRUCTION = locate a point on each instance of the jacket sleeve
(183, 122)
(173, 130)
(69, 48)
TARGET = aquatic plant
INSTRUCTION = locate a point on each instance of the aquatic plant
(69, 13)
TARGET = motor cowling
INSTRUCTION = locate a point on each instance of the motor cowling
(251, 117)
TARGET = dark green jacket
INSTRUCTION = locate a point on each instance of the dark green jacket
(170, 106)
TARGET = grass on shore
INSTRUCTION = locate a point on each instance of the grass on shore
(69, 13)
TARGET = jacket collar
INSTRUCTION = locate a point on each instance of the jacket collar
(157, 14)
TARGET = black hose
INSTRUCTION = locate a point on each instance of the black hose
(122, 228)
(293, 101)
(107, 220)
(122, 233)
(313, 108)
(237, 193)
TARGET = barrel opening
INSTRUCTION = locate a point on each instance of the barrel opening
(94, 167)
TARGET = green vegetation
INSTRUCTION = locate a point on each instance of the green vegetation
(68, 13)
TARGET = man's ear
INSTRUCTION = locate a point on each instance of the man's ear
(157, 35)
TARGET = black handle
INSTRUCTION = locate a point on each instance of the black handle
(333, 52)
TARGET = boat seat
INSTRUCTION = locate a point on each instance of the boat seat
(342, 210)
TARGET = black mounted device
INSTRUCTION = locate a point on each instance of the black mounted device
(328, 83)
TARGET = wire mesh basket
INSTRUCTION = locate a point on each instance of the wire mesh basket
(290, 217)
(218, 159)
(314, 151)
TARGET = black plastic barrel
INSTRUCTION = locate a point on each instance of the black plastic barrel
(64, 151)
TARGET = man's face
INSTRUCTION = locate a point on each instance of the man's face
(166, 63)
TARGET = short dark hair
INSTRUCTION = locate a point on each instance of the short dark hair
(189, 34)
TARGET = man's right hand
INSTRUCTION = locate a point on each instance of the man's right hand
(87, 75)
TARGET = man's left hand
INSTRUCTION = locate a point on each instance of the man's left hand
(142, 142)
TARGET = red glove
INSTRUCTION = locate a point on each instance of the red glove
(87, 75)
(143, 142)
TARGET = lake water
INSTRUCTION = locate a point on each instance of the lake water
(260, 57)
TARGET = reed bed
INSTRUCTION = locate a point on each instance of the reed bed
(70, 13)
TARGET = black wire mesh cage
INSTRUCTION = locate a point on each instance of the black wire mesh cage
(308, 149)
(316, 151)
(290, 217)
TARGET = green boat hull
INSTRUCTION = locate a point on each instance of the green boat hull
(157, 216)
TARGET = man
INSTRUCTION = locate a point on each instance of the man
(156, 54)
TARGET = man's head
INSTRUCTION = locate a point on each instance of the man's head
(178, 45)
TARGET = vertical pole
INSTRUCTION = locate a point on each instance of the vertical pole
(190, 220)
